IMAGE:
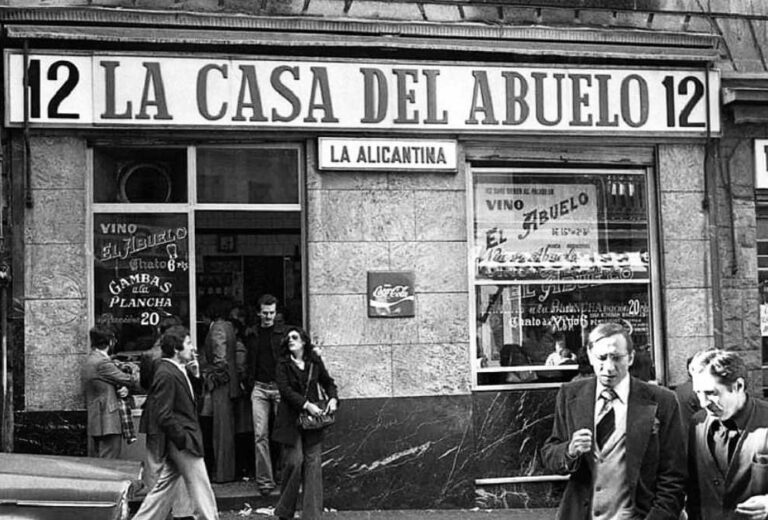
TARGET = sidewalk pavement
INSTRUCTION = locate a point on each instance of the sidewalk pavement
(240, 501)
(422, 514)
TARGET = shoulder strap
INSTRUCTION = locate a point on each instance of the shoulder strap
(309, 378)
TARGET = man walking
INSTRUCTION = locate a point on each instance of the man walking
(172, 408)
(620, 439)
(728, 443)
(104, 384)
(263, 353)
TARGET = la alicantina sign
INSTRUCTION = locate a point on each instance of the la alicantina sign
(387, 154)
(66, 89)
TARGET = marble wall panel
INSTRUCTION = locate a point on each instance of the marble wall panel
(404, 453)
(439, 266)
(690, 310)
(341, 267)
(58, 163)
(432, 181)
(343, 320)
(51, 433)
(360, 370)
(430, 369)
(442, 317)
(681, 167)
(678, 351)
(53, 382)
(532, 495)
(510, 428)
(57, 217)
(683, 216)
(55, 327)
(335, 215)
(388, 215)
(687, 264)
(441, 215)
(55, 271)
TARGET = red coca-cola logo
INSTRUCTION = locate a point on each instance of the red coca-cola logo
(390, 291)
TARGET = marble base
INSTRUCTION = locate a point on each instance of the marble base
(52, 433)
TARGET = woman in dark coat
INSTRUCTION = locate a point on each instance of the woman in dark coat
(302, 448)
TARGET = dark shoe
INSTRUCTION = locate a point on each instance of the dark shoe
(265, 491)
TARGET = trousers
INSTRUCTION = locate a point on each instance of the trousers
(264, 401)
(302, 467)
(182, 503)
(179, 464)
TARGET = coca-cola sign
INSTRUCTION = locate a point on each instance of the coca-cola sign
(390, 294)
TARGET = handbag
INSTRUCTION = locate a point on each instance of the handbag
(306, 420)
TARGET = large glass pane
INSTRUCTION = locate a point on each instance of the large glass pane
(141, 274)
(139, 175)
(560, 226)
(248, 175)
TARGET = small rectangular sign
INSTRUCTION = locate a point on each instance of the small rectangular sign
(391, 294)
(761, 164)
(387, 154)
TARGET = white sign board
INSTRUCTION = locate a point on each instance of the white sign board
(155, 90)
(387, 154)
(761, 163)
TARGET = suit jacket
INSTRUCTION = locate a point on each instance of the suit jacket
(292, 384)
(101, 377)
(655, 459)
(712, 493)
(171, 410)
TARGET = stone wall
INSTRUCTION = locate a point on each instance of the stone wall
(55, 280)
(359, 222)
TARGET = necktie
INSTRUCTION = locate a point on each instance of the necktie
(725, 436)
(606, 424)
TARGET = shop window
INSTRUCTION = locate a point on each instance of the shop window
(140, 175)
(166, 245)
(762, 274)
(247, 175)
(556, 252)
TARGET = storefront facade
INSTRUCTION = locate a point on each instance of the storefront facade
(438, 218)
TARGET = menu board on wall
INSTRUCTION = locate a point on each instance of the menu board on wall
(141, 265)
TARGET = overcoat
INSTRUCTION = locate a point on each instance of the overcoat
(713, 494)
(655, 455)
(292, 384)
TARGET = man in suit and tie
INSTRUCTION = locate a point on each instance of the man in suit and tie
(173, 411)
(104, 383)
(633, 465)
(728, 442)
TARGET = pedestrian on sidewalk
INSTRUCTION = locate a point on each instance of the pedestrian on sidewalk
(173, 407)
(633, 465)
(155, 439)
(263, 353)
(299, 374)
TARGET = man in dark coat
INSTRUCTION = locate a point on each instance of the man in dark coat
(172, 412)
(633, 465)
(728, 443)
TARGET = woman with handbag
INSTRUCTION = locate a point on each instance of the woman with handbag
(301, 416)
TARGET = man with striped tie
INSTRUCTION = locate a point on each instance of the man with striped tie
(618, 438)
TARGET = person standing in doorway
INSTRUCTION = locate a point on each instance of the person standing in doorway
(104, 383)
(174, 414)
(263, 353)
(620, 439)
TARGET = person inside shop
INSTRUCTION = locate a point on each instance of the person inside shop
(104, 385)
(263, 352)
(618, 438)
(643, 368)
(153, 456)
(221, 388)
(173, 413)
(299, 374)
(728, 442)
(562, 355)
